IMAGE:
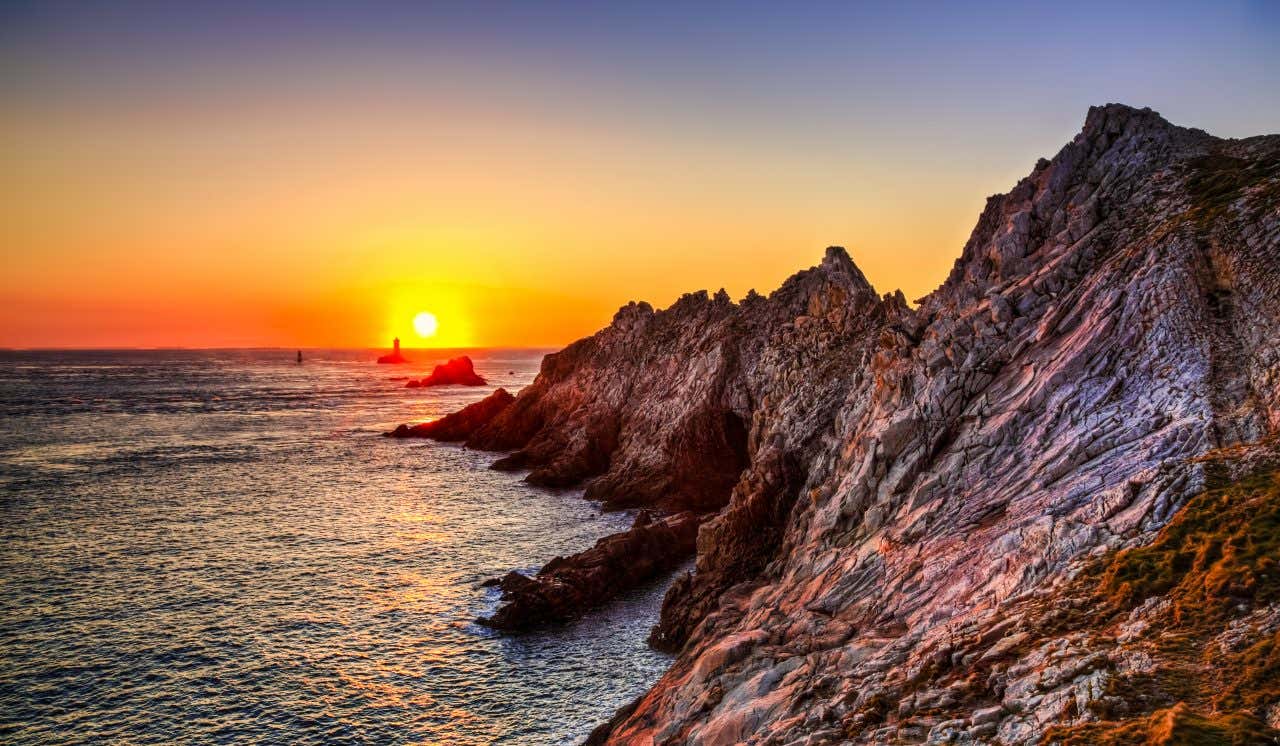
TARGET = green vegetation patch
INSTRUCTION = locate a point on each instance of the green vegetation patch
(1221, 551)
(1215, 562)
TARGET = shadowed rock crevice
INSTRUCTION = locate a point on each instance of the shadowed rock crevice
(735, 547)
(708, 453)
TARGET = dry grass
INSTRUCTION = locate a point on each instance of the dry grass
(1174, 726)
(1217, 560)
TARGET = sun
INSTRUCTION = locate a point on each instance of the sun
(425, 324)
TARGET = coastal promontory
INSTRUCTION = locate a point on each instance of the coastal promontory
(1037, 505)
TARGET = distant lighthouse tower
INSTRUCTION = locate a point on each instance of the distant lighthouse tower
(395, 356)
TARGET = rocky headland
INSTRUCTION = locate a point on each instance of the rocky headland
(1039, 506)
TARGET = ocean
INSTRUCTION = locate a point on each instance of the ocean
(219, 547)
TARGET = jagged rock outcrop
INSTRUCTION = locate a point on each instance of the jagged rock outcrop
(904, 494)
(459, 370)
(567, 586)
(658, 408)
(460, 425)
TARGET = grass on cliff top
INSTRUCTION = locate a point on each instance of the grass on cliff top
(1217, 180)
(1174, 726)
(1221, 551)
(1218, 559)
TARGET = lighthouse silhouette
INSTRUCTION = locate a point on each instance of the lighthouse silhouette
(395, 356)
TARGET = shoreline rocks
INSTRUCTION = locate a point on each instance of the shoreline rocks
(460, 425)
(569, 586)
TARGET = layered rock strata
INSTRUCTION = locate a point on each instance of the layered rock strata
(902, 494)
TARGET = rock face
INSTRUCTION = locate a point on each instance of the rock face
(665, 408)
(567, 586)
(458, 370)
(459, 425)
(904, 496)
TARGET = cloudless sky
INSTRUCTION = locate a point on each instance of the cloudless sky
(314, 174)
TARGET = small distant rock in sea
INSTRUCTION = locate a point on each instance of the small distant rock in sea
(458, 371)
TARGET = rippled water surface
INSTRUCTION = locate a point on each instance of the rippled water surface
(218, 547)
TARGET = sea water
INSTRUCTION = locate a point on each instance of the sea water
(219, 547)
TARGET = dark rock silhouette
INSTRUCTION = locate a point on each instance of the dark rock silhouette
(568, 586)
(459, 425)
(458, 370)
(395, 358)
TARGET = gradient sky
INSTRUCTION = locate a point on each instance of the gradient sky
(313, 174)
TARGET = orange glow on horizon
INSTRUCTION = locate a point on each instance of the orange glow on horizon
(253, 218)
(223, 175)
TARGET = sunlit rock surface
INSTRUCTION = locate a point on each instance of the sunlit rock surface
(900, 492)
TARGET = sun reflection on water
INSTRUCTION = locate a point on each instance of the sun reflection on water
(240, 557)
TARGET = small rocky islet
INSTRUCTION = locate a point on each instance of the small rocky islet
(458, 371)
(1039, 506)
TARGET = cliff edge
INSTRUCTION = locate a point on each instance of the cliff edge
(898, 502)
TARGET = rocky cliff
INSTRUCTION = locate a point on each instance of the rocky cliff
(910, 511)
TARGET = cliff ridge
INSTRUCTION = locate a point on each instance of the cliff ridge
(894, 501)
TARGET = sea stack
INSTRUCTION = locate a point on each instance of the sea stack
(458, 371)
(395, 358)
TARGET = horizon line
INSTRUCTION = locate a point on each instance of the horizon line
(269, 348)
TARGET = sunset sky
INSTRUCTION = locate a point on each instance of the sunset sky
(315, 174)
